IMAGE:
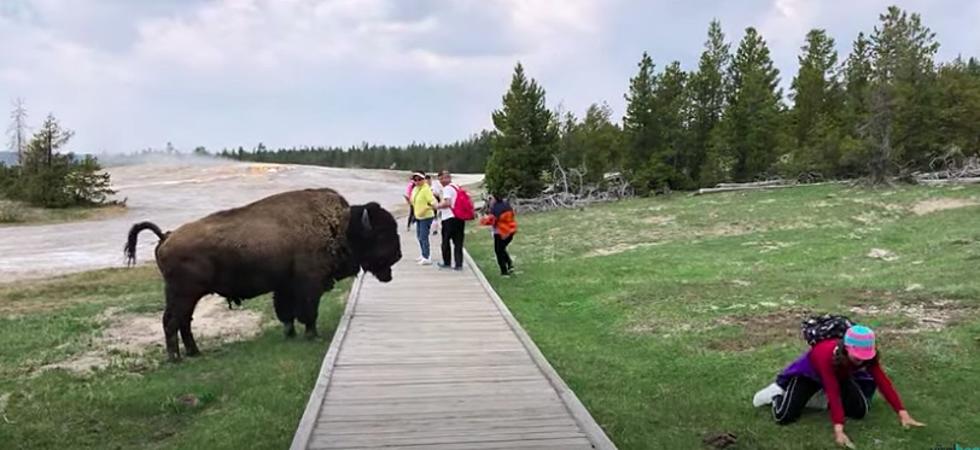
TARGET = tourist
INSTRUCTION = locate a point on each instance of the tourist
(437, 193)
(423, 204)
(453, 229)
(500, 216)
(848, 370)
(408, 200)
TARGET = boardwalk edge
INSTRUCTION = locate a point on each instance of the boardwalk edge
(306, 423)
(578, 411)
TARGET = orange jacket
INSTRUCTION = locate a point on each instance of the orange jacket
(505, 225)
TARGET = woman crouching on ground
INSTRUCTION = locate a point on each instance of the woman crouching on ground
(501, 217)
(849, 371)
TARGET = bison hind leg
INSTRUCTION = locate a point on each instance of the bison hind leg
(177, 318)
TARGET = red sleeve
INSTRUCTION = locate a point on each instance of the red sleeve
(822, 359)
(884, 385)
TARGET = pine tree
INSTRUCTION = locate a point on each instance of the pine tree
(959, 101)
(672, 102)
(817, 108)
(708, 93)
(751, 124)
(641, 125)
(904, 80)
(857, 99)
(601, 141)
(42, 150)
(524, 142)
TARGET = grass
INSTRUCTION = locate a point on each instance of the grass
(666, 315)
(246, 394)
(17, 213)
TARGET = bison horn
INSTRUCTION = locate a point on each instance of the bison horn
(365, 220)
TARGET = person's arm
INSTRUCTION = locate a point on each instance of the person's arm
(822, 359)
(888, 391)
(884, 385)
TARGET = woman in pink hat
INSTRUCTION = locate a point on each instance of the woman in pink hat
(848, 370)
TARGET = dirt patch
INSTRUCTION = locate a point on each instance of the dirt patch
(128, 336)
(941, 204)
(659, 220)
(759, 330)
(619, 248)
(913, 316)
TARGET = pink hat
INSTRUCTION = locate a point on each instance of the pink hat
(860, 342)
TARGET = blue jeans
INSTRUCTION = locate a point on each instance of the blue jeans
(422, 228)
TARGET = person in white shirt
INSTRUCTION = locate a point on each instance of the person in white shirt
(437, 192)
(453, 229)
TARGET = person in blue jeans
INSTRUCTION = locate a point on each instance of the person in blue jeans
(423, 204)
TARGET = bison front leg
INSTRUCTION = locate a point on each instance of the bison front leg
(285, 306)
(308, 303)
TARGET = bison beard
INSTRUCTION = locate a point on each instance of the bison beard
(295, 244)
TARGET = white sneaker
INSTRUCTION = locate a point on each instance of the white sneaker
(425, 262)
(419, 259)
(764, 397)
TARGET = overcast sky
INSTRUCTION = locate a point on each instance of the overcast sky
(132, 74)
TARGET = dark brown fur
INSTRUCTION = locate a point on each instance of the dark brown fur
(295, 244)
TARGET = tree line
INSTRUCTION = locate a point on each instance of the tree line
(466, 156)
(887, 109)
(45, 177)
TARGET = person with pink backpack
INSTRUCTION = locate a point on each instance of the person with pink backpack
(455, 209)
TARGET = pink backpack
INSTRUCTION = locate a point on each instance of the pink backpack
(463, 206)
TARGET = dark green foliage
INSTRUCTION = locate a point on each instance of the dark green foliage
(525, 140)
(817, 113)
(469, 156)
(752, 123)
(708, 91)
(50, 179)
(959, 103)
(592, 145)
(904, 119)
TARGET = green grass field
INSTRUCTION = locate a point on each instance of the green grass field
(17, 213)
(245, 394)
(666, 315)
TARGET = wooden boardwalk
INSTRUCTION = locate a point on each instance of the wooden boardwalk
(434, 360)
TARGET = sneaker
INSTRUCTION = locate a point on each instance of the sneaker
(458, 269)
(443, 265)
(425, 262)
(419, 259)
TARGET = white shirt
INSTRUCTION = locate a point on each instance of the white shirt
(437, 189)
(448, 193)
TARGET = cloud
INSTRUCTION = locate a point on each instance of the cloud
(126, 74)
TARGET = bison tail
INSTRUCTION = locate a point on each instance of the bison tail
(130, 249)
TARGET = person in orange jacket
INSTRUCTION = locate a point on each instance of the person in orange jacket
(501, 217)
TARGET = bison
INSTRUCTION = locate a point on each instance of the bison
(295, 244)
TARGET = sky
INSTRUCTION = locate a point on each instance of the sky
(126, 75)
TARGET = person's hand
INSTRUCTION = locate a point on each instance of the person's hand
(907, 421)
(840, 438)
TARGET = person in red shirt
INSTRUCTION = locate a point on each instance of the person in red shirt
(848, 370)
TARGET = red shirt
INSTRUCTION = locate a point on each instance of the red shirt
(822, 359)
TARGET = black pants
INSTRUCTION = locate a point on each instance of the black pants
(855, 395)
(411, 216)
(500, 248)
(453, 232)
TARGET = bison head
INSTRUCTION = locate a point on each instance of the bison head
(373, 238)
